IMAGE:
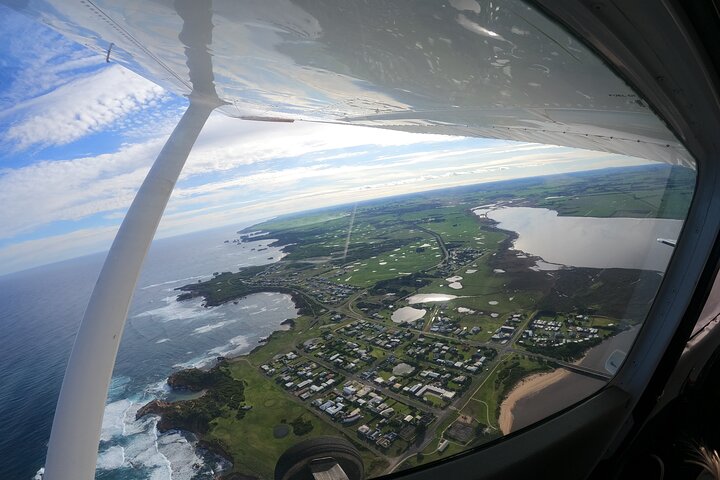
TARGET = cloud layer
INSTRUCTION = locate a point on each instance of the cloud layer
(86, 105)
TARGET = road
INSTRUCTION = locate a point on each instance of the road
(438, 239)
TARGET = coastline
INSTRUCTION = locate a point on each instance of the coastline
(545, 393)
(525, 389)
(167, 410)
(167, 421)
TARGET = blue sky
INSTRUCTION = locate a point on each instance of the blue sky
(78, 136)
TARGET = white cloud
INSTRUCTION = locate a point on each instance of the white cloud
(393, 170)
(243, 198)
(227, 143)
(52, 191)
(71, 190)
(215, 204)
(82, 106)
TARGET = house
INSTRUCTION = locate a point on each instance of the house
(384, 442)
(334, 410)
(438, 391)
(349, 420)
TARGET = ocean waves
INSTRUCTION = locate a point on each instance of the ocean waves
(174, 310)
(134, 448)
(171, 282)
(177, 335)
(213, 326)
(43, 308)
(235, 346)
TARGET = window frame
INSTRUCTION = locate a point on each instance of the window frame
(653, 47)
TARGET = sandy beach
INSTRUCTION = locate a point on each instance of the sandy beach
(526, 388)
(543, 394)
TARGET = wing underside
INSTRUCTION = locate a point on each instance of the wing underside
(482, 69)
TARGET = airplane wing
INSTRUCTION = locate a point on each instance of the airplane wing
(457, 68)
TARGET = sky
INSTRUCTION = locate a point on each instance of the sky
(78, 135)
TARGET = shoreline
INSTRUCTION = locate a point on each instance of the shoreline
(526, 388)
(538, 383)
(161, 408)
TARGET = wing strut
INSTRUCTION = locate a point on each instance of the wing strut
(73, 446)
(72, 450)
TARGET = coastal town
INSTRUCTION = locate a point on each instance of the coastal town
(413, 329)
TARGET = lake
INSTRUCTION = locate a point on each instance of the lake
(430, 297)
(408, 314)
(589, 241)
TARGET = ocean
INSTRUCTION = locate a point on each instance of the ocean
(40, 310)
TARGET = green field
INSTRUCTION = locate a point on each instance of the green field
(250, 440)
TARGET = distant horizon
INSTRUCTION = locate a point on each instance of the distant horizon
(246, 225)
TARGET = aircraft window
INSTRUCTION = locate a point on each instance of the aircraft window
(414, 326)
(481, 260)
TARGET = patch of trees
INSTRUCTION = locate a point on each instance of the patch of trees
(187, 296)
(392, 285)
(304, 305)
(299, 265)
(511, 374)
(298, 237)
(301, 426)
(400, 209)
(606, 292)
(420, 431)
(510, 371)
(488, 352)
(223, 392)
(364, 305)
(566, 351)
(250, 272)
(220, 289)
(194, 379)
